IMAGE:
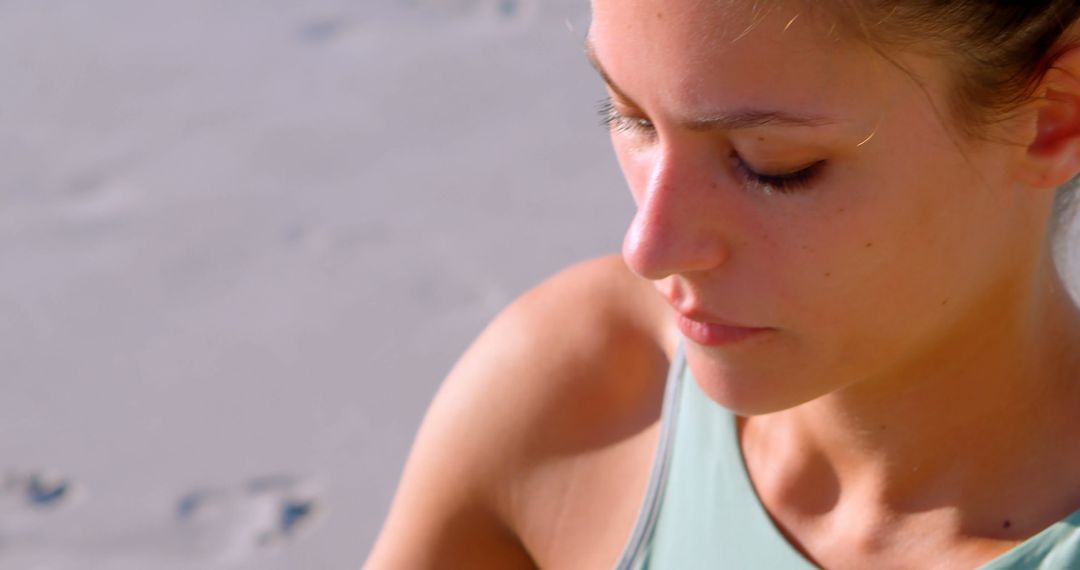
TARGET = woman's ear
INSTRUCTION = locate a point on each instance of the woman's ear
(1053, 155)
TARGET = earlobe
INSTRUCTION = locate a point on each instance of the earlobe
(1053, 156)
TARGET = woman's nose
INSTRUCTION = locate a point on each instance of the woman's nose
(676, 229)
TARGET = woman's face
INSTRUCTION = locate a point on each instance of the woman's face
(790, 179)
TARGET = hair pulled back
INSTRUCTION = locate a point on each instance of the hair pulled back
(997, 50)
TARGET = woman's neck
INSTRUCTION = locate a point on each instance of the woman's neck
(985, 411)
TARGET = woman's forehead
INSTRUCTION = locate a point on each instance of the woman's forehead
(694, 57)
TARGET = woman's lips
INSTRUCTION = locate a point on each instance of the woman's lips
(715, 334)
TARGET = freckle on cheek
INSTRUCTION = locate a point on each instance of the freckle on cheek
(869, 244)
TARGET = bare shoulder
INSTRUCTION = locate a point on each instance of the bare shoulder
(519, 448)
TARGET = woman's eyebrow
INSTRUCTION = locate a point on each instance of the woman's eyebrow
(728, 120)
(590, 53)
(751, 118)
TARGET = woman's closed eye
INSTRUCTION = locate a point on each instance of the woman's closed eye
(783, 182)
(768, 183)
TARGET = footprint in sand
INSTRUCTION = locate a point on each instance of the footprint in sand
(504, 11)
(31, 491)
(97, 202)
(509, 11)
(218, 526)
(235, 522)
(320, 31)
(28, 497)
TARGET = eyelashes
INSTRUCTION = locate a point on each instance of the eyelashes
(785, 183)
(766, 183)
(613, 120)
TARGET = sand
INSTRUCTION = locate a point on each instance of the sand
(241, 244)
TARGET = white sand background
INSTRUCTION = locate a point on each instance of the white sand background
(244, 239)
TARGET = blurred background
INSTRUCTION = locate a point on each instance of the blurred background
(242, 242)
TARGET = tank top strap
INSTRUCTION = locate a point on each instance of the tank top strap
(710, 515)
(700, 510)
(633, 556)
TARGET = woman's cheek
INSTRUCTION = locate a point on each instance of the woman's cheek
(636, 168)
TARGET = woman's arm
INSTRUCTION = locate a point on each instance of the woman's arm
(563, 367)
(447, 510)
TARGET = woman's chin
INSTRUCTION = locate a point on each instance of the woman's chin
(749, 390)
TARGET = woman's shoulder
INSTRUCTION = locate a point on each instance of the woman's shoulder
(562, 389)
(592, 318)
(578, 351)
(574, 343)
(595, 365)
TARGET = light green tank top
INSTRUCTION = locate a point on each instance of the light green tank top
(701, 511)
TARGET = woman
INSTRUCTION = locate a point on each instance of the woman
(841, 262)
